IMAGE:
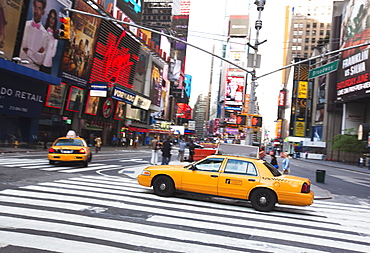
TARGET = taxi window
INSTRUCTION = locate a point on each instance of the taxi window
(272, 169)
(240, 167)
(69, 142)
(211, 164)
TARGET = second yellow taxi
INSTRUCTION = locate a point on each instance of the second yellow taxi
(70, 148)
(231, 176)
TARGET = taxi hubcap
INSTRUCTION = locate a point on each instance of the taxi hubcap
(162, 187)
(263, 200)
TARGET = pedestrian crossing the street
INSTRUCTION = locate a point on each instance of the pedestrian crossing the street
(115, 214)
(43, 164)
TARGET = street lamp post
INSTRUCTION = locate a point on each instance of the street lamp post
(252, 97)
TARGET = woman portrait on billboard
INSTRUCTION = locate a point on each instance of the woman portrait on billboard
(52, 32)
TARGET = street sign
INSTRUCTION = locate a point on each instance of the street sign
(325, 69)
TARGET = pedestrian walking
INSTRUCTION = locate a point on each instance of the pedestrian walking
(166, 152)
(191, 148)
(361, 162)
(114, 141)
(123, 141)
(274, 162)
(155, 146)
(136, 143)
(182, 146)
(306, 154)
(98, 143)
(286, 163)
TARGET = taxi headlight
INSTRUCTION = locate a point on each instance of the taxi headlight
(145, 173)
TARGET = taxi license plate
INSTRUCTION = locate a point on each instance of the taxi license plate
(67, 151)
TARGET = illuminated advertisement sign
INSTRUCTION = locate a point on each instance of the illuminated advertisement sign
(353, 71)
(75, 99)
(55, 95)
(123, 95)
(116, 56)
(132, 8)
(98, 90)
(281, 99)
(234, 90)
(92, 104)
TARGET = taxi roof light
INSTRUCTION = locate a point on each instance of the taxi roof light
(71, 134)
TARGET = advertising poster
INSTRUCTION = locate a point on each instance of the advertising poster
(156, 86)
(132, 8)
(120, 110)
(92, 104)
(75, 99)
(79, 50)
(55, 95)
(142, 65)
(353, 70)
(10, 12)
(234, 90)
(40, 46)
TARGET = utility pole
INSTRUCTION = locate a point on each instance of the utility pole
(252, 97)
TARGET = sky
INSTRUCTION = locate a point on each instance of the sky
(207, 19)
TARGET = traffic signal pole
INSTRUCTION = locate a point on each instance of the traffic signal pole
(252, 96)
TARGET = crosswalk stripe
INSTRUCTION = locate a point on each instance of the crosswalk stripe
(54, 244)
(91, 168)
(105, 234)
(91, 192)
(324, 226)
(137, 227)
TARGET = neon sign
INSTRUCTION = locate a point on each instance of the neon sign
(116, 62)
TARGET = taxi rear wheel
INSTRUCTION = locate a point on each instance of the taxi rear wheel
(263, 200)
(85, 163)
(51, 162)
(163, 186)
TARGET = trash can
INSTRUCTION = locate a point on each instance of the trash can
(320, 176)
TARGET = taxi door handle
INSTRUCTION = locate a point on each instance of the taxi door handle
(250, 179)
(214, 175)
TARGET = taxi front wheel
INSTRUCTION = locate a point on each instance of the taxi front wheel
(163, 186)
(263, 200)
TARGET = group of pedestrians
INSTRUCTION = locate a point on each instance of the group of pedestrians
(166, 147)
(285, 163)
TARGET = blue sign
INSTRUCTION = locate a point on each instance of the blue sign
(123, 95)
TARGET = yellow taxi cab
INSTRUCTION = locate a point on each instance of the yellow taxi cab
(70, 148)
(230, 176)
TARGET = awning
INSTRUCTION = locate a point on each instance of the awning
(19, 70)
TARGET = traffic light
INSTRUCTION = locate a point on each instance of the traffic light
(241, 119)
(65, 28)
(257, 121)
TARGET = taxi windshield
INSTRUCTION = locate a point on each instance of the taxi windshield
(69, 142)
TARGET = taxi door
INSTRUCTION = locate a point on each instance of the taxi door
(202, 177)
(237, 179)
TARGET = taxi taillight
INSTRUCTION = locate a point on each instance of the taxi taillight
(305, 188)
(82, 151)
(51, 150)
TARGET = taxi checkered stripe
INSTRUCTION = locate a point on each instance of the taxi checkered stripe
(115, 214)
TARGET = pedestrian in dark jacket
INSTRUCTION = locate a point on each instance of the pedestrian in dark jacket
(166, 152)
(191, 151)
(274, 161)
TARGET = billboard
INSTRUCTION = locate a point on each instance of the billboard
(92, 104)
(132, 8)
(353, 71)
(239, 25)
(79, 49)
(10, 12)
(40, 45)
(55, 95)
(234, 90)
(75, 99)
(156, 85)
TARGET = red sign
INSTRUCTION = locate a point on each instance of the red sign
(114, 62)
(282, 97)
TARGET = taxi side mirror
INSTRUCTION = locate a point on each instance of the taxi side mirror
(193, 167)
